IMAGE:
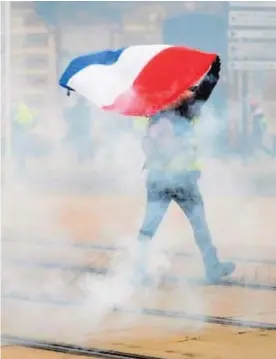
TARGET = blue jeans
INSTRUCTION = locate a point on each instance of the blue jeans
(182, 189)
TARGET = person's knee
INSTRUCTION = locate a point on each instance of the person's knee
(197, 216)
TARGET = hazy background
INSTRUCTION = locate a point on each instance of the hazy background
(76, 179)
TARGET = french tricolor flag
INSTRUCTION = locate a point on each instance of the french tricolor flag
(137, 80)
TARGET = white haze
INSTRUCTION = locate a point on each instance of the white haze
(30, 214)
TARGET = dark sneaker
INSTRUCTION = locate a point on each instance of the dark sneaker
(218, 271)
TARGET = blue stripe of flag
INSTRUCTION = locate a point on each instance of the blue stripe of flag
(107, 57)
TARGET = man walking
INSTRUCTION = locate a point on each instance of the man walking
(174, 170)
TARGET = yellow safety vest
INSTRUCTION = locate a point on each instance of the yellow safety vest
(186, 161)
(24, 116)
(140, 123)
(197, 163)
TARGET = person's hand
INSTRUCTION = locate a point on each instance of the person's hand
(213, 73)
(216, 66)
(207, 85)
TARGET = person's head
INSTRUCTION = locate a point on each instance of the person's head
(179, 101)
(253, 104)
(189, 107)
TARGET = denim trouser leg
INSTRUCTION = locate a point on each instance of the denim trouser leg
(158, 200)
(186, 194)
(190, 201)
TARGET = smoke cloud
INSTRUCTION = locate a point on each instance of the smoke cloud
(105, 194)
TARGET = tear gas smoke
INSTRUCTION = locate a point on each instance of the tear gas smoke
(240, 218)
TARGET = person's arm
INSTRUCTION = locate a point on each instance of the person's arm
(207, 85)
(155, 142)
(149, 143)
(190, 107)
(148, 146)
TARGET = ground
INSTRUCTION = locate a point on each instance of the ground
(215, 342)
(114, 220)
